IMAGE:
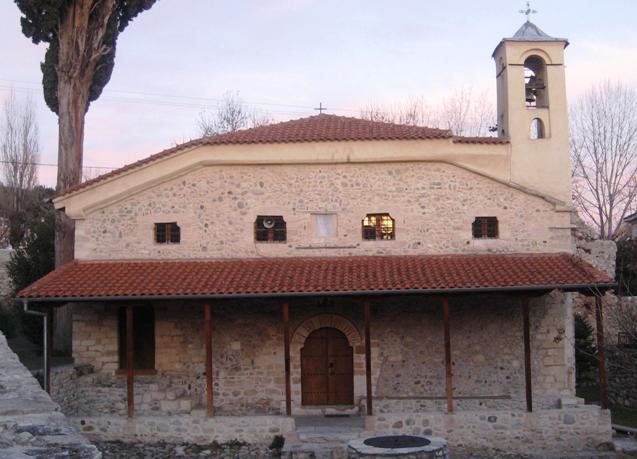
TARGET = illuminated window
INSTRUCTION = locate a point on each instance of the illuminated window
(485, 228)
(378, 226)
(270, 228)
(167, 233)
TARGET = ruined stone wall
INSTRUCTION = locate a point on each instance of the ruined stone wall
(407, 351)
(433, 205)
(622, 376)
(31, 424)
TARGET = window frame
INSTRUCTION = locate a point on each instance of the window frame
(277, 234)
(142, 331)
(377, 227)
(485, 225)
(171, 233)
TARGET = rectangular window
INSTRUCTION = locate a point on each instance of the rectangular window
(324, 225)
(143, 337)
(485, 228)
(378, 226)
(270, 228)
(167, 233)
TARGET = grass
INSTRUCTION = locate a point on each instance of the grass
(619, 415)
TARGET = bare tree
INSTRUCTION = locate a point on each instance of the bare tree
(231, 115)
(463, 113)
(604, 155)
(19, 150)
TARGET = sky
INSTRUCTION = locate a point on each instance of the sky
(284, 57)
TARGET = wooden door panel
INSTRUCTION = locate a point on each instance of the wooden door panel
(327, 362)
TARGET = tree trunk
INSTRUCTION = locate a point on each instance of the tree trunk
(72, 103)
(75, 70)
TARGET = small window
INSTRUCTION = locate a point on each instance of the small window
(143, 337)
(167, 233)
(537, 129)
(270, 228)
(378, 226)
(324, 225)
(485, 228)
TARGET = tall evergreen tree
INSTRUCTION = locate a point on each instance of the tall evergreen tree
(82, 37)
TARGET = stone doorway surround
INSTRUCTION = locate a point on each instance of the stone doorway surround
(355, 338)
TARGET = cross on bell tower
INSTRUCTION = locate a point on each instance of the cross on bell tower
(528, 11)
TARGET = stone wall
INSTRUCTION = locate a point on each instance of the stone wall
(31, 424)
(407, 354)
(433, 204)
(196, 429)
(580, 428)
(622, 376)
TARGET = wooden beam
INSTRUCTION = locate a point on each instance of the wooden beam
(448, 372)
(208, 339)
(368, 359)
(286, 350)
(48, 347)
(601, 351)
(130, 356)
(527, 353)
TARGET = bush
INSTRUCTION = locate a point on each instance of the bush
(585, 353)
(626, 267)
(33, 259)
(8, 321)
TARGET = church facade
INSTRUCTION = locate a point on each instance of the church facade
(422, 281)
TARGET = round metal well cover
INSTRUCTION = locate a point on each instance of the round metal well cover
(397, 441)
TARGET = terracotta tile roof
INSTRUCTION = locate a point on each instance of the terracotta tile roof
(313, 276)
(318, 128)
(480, 140)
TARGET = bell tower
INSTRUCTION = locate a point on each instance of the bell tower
(532, 109)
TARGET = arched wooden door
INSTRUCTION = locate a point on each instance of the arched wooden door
(327, 369)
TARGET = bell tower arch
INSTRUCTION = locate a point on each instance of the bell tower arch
(532, 109)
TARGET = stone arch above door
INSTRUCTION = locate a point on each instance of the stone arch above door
(297, 341)
(325, 321)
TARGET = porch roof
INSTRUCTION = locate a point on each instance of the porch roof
(314, 276)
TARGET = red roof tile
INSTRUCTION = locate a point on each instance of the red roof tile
(480, 140)
(312, 276)
(318, 128)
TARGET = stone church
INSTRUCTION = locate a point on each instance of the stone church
(240, 285)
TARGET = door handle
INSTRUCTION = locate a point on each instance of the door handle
(330, 366)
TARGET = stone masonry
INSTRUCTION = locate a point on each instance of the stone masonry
(408, 367)
(31, 424)
(216, 208)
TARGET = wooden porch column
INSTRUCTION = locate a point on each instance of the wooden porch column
(286, 350)
(208, 338)
(448, 372)
(527, 353)
(48, 346)
(368, 359)
(130, 356)
(601, 351)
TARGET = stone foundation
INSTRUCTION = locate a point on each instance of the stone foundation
(195, 429)
(573, 429)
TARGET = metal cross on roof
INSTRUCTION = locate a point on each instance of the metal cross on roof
(320, 108)
(528, 11)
